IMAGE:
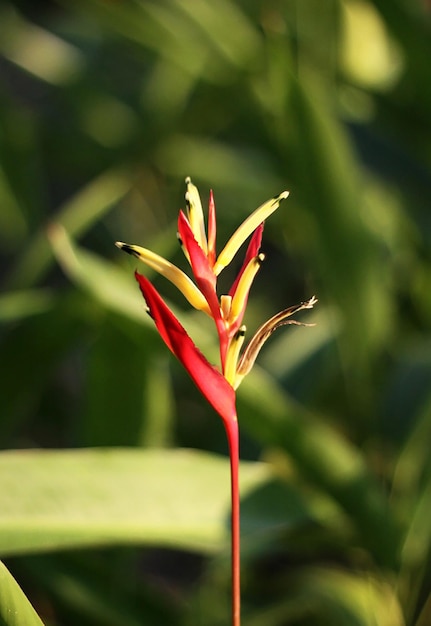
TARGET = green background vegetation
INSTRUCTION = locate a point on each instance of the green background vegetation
(117, 513)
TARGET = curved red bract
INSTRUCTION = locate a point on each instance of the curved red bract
(210, 382)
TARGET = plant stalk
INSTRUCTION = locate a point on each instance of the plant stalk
(233, 442)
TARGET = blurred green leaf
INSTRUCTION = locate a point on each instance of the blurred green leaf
(348, 599)
(221, 164)
(240, 46)
(12, 222)
(109, 284)
(77, 215)
(333, 597)
(55, 500)
(15, 609)
(17, 305)
(347, 251)
(411, 496)
(55, 61)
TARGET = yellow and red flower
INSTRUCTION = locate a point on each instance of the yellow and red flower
(217, 385)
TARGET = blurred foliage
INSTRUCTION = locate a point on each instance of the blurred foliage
(106, 106)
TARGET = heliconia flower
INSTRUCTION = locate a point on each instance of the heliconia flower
(217, 385)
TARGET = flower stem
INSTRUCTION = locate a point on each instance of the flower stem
(233, 441)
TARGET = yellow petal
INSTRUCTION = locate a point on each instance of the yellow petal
(247, 227)
(243, 287)
(225, 305)
(196, 214)
(171, 272)
(264, 332)
(232, 355)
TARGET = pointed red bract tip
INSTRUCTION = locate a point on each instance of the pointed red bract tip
(211, 231)
(210, 382)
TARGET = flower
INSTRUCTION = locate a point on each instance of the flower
(217, 385)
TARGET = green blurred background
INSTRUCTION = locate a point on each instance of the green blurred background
(106, 107)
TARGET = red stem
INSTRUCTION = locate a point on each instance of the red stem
(233, 441)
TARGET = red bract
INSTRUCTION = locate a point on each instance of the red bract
(210, 382)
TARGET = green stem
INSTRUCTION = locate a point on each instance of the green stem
(233, 441)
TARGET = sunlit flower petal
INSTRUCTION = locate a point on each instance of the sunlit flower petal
(210, 382)
(246, 228)
(239, 301)
(171, 272)
(196, 214)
